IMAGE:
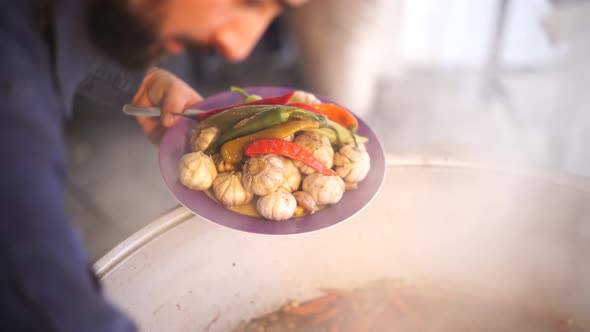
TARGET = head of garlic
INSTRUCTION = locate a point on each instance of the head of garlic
(291, 175)
(279, 205)
(324, 189)
(202, 138)
(197, 171)
(306, 201)
(229, 191)
(304, 98)
(263, 174)
(222, 165)
(350, 186)
(352, 163)
(319, 146)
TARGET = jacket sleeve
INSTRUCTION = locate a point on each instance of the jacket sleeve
(45, 280)
(111, 84)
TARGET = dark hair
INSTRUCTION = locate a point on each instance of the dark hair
(120, 34)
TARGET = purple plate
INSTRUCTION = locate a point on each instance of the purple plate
(175, 144)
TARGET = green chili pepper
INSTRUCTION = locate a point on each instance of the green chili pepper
(229, 118)
(273, 116)
(344, 134)
(247, 97)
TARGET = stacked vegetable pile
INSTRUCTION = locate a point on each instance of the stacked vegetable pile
(275, 157)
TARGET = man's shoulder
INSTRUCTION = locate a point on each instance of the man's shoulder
(24, 52)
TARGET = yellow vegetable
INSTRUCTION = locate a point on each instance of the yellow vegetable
(233, 151)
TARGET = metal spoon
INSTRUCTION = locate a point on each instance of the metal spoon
(155, 111)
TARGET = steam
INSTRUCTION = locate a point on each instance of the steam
(492, 222)
(534, 115)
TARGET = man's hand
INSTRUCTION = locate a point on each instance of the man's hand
(162, 89)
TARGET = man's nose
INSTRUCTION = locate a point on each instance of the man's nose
(235, 40)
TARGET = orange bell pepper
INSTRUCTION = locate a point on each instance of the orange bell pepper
(334, 112)
(338, 114)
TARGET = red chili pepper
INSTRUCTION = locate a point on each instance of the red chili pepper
(287, 149)
(277, 100)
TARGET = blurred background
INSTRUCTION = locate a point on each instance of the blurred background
(496, 81)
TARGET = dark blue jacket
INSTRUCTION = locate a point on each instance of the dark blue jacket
(46, 283)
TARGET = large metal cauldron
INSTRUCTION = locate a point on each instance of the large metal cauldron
(506, 234)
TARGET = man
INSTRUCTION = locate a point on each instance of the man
(50, 50)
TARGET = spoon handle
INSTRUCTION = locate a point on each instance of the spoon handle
(154, 111)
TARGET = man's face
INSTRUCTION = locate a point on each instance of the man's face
(138, 32)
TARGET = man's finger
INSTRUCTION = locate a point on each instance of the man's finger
(155, 136)
(151, 128)
(147, 124)
(173, 103)
(193, 99)
(177, 102)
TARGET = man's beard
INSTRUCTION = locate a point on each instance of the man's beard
(129, 39)
(122, 35)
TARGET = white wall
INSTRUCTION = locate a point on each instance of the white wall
(459, 33)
